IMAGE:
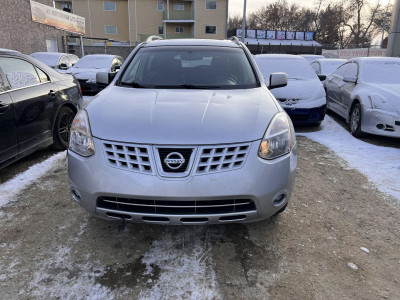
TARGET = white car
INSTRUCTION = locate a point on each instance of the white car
(366, 91)
(304, 97)
(87, 67)
(311, 57)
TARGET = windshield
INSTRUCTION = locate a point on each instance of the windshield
(294, 68)
(48, 59)
(189, 67)
(381, 72)
(94, 62)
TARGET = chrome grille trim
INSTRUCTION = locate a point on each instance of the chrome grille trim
(214, 159)
(130, 157)
(176, 207)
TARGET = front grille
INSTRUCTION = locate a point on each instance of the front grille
(129, 157)
(174, 207)
(185, 152)
(222, 158)
(289, 101)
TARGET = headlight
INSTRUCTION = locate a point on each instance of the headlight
(379, 102)
(279, 137)
(81, 140)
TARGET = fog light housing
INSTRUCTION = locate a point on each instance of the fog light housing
(279, 200)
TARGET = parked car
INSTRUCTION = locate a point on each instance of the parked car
(37, 106)
(366, 92)
(311, 57)
(304, 96)
(86, 68)
(187, 133)
(326, 66)
(58, 61)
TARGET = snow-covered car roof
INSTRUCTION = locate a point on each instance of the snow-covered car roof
(362, 60)
(192, 42)
(323, 60)
(49, 58)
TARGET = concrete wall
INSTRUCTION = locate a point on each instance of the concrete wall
(19, 32)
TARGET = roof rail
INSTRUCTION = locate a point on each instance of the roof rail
(153, 38)
(235, 40)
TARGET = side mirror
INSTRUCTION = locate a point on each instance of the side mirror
(103, 78)
(321, 77)
(63, 66)
(277, 80)
(351, 79)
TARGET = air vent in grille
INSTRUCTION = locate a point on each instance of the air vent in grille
(174, 167)
(222, 158)
(174, 207)
(128, 157)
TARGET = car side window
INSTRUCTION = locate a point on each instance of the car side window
(351, 70)
(316, 67)
(19, 73)
(42, 76)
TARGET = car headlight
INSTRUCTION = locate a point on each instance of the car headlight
(81, 140)
(379, 102)
(279, 137)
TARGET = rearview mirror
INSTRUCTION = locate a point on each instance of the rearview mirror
(351, 79)
(321, 77)
(63, 66)
(277, 80)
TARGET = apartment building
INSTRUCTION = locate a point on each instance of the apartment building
(135, 20)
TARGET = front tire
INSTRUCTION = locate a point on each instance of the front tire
(355, 121)
(62, 127)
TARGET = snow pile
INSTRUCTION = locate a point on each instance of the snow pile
(184, 273)
(11, 188)
(380, 164)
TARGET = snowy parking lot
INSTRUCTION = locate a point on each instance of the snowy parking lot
(339, 237)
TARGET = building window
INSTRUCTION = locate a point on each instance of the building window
(211, 29)
(211, 4)
(66, 7)
(179, 6)
(179, 29)
(160, 5)
(110, 29)
(160, 29)
(110, 6)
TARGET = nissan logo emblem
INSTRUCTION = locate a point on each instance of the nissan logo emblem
(174, 160)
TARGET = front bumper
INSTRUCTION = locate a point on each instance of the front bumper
(303, 116)
(380, 122)
(259, 180)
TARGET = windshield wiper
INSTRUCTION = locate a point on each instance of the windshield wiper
(134, 85)
(187, 86)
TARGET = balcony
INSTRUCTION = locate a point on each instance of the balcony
(180, 16)
(144, 36)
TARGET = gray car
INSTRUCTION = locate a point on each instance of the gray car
(366, 92)
(186, 133)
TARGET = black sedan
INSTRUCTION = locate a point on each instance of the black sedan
(37, 106)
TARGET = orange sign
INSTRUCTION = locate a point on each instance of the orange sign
(58, 18)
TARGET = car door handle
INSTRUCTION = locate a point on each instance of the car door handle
(52, 93)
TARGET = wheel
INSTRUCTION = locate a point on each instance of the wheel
(355, 121)
(62, 126)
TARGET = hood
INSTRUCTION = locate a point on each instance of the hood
(86, 73)
(304, 89)
(390, 94)
(181, 117)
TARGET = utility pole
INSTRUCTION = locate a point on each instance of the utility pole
(393, 48)
(244, 22)
(384, 24)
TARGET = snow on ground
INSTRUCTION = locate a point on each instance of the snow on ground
(11, 188)
(184, 273)
(380, 164)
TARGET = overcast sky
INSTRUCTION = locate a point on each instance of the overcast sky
(236, 6)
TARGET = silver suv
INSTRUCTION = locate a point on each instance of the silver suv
(186, 133)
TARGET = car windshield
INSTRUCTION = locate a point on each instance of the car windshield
(48, 59)
(94, 62)
(189, 67)
(381, 72)
(294, 68)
